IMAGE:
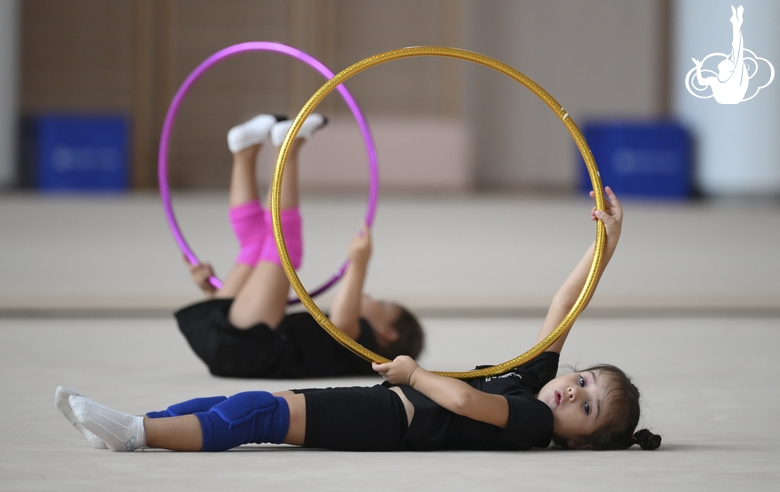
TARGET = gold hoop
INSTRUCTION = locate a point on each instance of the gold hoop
(341, 77)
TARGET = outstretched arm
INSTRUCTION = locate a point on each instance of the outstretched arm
(703, 81)
(452, 394)
(567, 294)
(345, 312)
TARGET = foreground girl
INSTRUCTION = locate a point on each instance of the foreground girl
(597, 408)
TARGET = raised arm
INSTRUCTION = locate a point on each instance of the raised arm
(452, 394)
(345, 311)
(568, 293)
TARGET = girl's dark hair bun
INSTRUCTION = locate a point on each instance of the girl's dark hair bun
(646, 439)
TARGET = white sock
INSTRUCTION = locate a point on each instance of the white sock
(120, 431)
(63, 405)
(313, 122)
(252, 132)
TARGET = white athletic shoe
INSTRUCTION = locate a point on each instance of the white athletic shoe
(314, 122)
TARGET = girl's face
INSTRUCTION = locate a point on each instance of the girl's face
(579, 405)
(380, 315)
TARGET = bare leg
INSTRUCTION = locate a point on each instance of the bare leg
(243, 186)
(289, 194)
(175, 433)
(263, 296)
(243, 189)
(296, 433)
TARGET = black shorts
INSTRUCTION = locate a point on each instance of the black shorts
(258, 352)
(354, 419)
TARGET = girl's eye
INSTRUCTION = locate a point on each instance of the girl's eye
(587, 408)
(582, 381)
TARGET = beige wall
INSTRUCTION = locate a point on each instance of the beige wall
(598, 58)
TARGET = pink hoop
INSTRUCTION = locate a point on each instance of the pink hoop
(217, 57)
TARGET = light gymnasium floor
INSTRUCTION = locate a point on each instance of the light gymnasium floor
(690, 306)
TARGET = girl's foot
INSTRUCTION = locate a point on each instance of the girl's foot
(314, 122)
(63, 405)
(252, 132)
(120, 431)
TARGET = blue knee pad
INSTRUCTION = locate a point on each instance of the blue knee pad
(188, 407)
(249, 417)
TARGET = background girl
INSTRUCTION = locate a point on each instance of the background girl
(243, 329)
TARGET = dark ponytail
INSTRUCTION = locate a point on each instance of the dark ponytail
(646, 439)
